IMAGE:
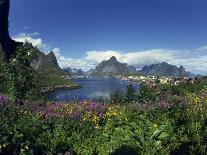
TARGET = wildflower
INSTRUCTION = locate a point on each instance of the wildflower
(14, 60)
(155, 125)
(96, 126)
(3, 100)
(29, 53)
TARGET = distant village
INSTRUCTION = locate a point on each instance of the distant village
(153, 80)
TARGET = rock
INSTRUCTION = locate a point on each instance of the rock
(112, 66)
(165, 69)
(52, 58)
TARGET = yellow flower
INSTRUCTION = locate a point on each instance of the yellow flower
(96, 126)
(155, 125)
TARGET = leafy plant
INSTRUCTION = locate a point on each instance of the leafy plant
(147, 94)
(20, 76)
(131, 94)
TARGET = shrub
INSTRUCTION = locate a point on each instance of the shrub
(147, 94)
(117, 97)
(131, 94)
(21, 79)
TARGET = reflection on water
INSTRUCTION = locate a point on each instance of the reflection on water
(92, 87)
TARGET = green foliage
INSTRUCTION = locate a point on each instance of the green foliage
(131, 94)
(177, 130)
(2, 76)
(184, 88)
(117, 97)
(129, 97)
(147, 94)
(21, 79)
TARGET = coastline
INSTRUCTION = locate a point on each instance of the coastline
(65, 87)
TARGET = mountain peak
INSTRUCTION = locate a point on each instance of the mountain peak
(113, 66)
(51, 54)
(52, 58)
(113, 58)
(165, 69)
(182, 68)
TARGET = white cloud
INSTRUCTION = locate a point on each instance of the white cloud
(138, 59)
(32, 38)
(193, 60)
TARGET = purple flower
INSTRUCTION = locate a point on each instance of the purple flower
(164, 104)
(73, 111)
(3, 100)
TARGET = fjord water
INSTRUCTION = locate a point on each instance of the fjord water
(92, 88)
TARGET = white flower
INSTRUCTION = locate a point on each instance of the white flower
(14, 60)
(29, 53)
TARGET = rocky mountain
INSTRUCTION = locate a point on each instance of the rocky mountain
(165, 69)
(74, 71)
(47, 64)
(7, 45)
(112, 66)
(52, 58)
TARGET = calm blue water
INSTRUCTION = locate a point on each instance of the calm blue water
(92, 88)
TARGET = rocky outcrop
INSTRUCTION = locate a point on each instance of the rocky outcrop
(165, 69)
(7, 45)
(112, 66)
(47, 64)
(52, 58)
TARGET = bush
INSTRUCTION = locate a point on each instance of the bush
(147, 94)
(131, 94)
(117, 97)
(21, 79)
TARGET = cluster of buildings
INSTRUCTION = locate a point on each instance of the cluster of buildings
(161, 79)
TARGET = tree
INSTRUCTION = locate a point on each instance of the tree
(147, 94)
(130, 94)
(20, 76)
(117, 97)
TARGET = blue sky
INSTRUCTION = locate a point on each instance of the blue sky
(82, 30)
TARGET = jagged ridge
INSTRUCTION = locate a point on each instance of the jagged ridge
(112, 66)
(165, 69)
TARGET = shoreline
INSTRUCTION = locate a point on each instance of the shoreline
(62, 87)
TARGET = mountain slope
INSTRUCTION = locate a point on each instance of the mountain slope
(165, 69)
(47, 64)
(112, 66)
(48, 67)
